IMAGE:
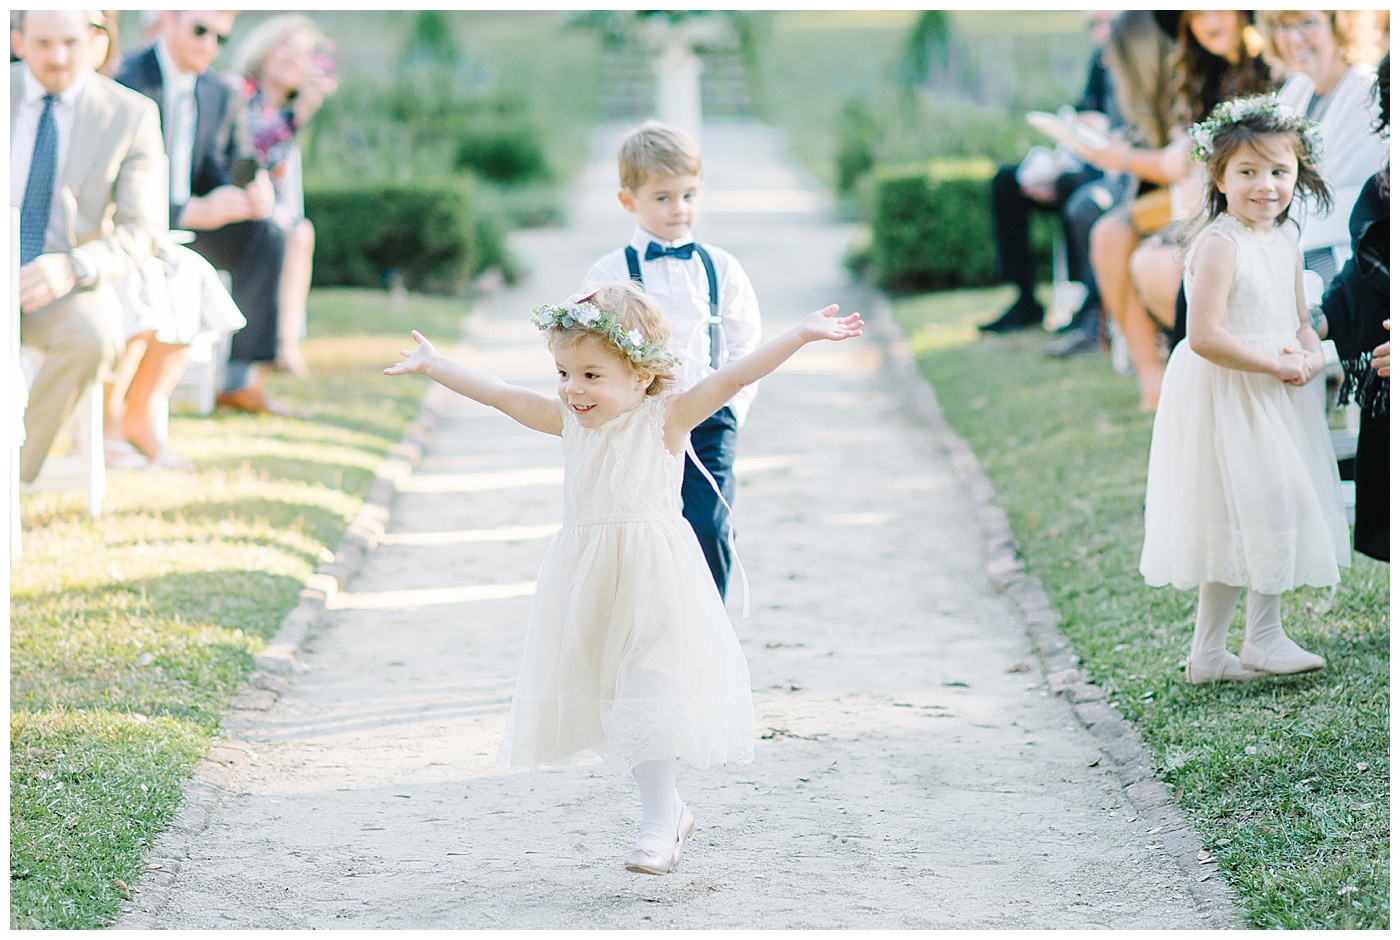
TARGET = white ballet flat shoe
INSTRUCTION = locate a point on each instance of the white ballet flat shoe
(648, 862)
(1283, 658)
(1227, 669)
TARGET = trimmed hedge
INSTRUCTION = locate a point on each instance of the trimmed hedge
(932, 227)
(433, 235)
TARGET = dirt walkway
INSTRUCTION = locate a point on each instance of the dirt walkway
(907, 775)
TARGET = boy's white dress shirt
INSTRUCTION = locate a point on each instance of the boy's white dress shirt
(683, 291)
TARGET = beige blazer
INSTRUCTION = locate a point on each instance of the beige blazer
(115, 188)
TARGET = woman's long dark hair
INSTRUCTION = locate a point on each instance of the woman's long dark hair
(1383, 122)
(1204, 79)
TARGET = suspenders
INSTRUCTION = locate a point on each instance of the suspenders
(634, 271)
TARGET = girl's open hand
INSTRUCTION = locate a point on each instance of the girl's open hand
(415, 361)
(1380, 358)
(825, 324)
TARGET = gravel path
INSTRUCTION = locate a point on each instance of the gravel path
(912, 771)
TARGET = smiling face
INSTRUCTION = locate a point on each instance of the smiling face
(1306, 43)
(666, 206)
(1218, 31)
(1258, 180)
(595, 382)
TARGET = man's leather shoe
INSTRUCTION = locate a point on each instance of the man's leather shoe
(254, 400)
(1019, 316)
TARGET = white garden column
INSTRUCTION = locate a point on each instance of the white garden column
(677, 71)
(677, 67)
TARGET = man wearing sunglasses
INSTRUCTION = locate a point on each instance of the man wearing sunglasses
(232, 223)
(88, 175)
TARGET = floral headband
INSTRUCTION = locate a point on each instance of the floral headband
(1267, 106)
(588, 316)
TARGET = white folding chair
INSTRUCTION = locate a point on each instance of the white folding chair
(84, 466)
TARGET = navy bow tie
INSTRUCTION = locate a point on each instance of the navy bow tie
(682, 252)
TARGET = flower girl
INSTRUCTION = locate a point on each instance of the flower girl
(629, 653)
(1242, 485)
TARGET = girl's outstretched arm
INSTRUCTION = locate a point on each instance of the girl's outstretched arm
(689, 408)
(532, 409)
(1213, 272)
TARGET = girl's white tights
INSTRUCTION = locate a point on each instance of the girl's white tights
(661, 804)
(1215, 610)
(1263, 620)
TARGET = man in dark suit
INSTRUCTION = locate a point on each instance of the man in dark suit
(232, 223)
(1013, 200)
(88, 176)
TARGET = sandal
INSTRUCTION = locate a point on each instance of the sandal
(121, 455)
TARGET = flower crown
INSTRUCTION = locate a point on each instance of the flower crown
(1237, 110)
(588, 316)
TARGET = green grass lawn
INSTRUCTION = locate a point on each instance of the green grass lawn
(128, 632)
(1286, 779)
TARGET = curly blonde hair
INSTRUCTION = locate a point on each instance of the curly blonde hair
(631, 309)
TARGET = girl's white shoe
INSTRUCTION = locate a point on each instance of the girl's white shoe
(1283, 657)
(1227, 668)
(649, 862)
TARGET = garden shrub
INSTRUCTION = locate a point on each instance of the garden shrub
(931, 227)
(502, 150)
(432, 234)
(856, 138)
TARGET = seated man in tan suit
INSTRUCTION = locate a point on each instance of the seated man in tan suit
(88, 174)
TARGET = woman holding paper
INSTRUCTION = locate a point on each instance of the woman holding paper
(1216, 58)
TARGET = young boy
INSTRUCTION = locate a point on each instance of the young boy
(708, 300)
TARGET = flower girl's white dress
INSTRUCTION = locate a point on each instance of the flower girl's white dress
(1242, 485)
(629, 654)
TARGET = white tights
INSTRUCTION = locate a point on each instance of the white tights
(1216, 608)
(661, 804)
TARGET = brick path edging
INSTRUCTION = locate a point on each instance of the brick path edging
(216, 771)
(1115, 735)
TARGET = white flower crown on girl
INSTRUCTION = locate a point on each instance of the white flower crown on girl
(1239, 109)
(588, 316)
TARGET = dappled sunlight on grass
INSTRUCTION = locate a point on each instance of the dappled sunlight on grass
(129, 631)
(949, 319)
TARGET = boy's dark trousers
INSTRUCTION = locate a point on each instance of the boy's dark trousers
(714, 441)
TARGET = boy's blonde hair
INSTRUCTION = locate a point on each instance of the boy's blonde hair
(631, 309)
(656, 150)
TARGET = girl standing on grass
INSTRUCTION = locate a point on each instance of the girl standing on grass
(629, 653)
(1242, 485)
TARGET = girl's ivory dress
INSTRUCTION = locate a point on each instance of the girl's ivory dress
(1242, 485)
(629, 654)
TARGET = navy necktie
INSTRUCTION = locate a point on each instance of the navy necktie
(38, 188)
(682, 252)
